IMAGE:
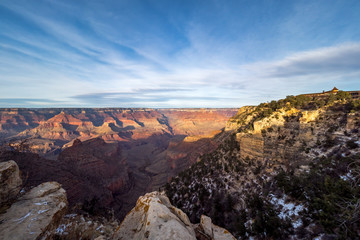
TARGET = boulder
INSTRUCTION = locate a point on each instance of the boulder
(10, 181)
(212, 231)
(35, 214)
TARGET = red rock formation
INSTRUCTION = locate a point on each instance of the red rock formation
(113, 125)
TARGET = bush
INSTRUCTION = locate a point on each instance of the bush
(325, 194)
(351, 144)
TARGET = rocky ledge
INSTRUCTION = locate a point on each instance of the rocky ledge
(38, 213)
(35, 214)
(154, 217)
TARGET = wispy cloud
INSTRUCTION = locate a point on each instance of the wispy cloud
(151, 54)
(20, 102)
(339, 59)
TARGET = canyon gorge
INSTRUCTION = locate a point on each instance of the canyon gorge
(107, 157)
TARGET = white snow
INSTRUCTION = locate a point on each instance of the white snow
(320, 237)
(288, 210)
(347, 177)
(61, 229)
(23, 218)
(42, 211)
(98, 228)
(297, 223)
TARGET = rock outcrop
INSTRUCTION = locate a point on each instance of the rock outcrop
(35, 214)
(154, 217)
(207, 230)
(10, 181)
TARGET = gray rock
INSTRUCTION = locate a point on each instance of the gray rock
(35, 214)
(10, 181)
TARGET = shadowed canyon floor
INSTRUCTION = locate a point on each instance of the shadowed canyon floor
(107, 156)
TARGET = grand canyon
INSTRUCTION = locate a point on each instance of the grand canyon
(111, 156)
(179, 120)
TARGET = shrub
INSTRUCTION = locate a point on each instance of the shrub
(351, 144)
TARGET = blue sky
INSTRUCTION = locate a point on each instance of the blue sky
(174, 53)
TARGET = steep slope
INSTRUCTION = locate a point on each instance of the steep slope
(290, 169)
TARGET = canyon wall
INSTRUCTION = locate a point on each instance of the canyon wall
(290, 136)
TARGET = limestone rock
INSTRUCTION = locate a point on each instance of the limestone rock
(154, 218)
(205, 223)
(213, 231)
(310, 116)
(221, 233)
(251, 145)
(353, 121)
(10, 181)
(35, 214)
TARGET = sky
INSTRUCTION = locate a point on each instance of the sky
(174, 53)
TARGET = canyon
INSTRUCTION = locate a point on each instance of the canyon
(287, 169)
(107, 157)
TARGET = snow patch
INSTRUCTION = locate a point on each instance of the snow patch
(61, 229)
(42, 211)
(288, 210)
(20, 220)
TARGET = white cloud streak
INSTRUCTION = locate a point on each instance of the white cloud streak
(86, 68)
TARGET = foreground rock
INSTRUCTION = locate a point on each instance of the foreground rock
(207, 230)
(155, 218)
(10, 181)
(35, 214)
